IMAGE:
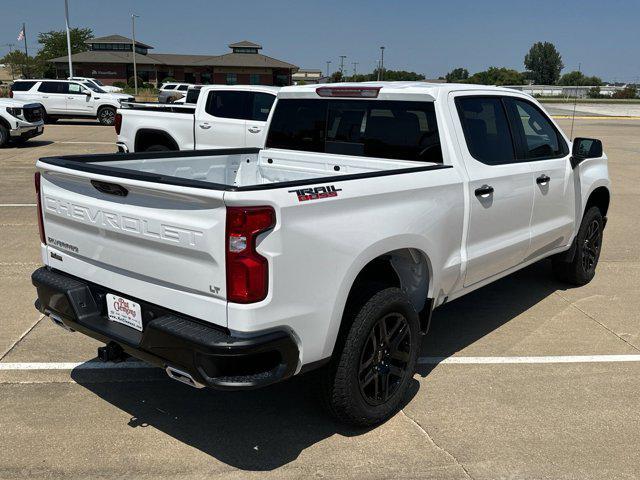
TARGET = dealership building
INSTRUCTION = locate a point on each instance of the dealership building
(110, 59)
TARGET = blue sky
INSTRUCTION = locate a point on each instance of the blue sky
(430, 37)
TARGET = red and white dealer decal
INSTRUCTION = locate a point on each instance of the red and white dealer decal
(315, 193)
(124, 311)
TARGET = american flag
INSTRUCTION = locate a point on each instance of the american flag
(21, 35)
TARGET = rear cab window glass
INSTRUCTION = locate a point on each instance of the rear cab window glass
(371, 128)
(486, 129)
(22, 86)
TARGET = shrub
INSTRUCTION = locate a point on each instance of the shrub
(120, 84)
(131, 82)
(629, 91)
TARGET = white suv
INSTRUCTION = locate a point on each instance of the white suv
(94, 82)
(70, 99)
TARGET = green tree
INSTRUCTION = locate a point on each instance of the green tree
(22, 65)
(497, 76)
(336, 77)
(457, 75)
(630, 91)
(594, 92)
(53, 44)
(545, 63)
(388, 75)
(578, 78)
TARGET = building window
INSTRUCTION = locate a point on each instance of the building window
(205, 78)
(254, 79)
(232, 79)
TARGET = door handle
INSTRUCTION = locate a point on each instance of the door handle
(484, 191)
(204, 126)
(543, 179)
(45, 96)
(255, 130)
(70, 98)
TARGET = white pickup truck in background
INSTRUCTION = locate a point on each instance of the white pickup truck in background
(370, 205)
(223, 116)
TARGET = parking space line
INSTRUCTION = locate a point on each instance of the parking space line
(84, 143)
(17, 204)
(72, 366)
(530, 360)
(94, 365)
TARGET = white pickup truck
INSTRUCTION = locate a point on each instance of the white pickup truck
(223, 116)
(19, 120)
(371, 205)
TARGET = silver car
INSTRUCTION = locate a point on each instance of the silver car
(170, 92)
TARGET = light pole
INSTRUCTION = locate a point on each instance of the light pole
(381, 69)
(66, 22)
(133, 48)
(328, 63)
(355, 68)
(342, 57)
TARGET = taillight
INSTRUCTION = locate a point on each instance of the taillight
(118, 123)
(247, 270)
(36, 180)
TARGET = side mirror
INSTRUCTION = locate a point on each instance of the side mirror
(584, 148)
(87, 93)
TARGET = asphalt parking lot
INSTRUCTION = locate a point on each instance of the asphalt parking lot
(567, 413)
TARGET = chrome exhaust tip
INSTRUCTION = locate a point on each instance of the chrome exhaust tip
(183, 377)
(58, 321)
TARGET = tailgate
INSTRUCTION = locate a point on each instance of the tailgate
(160, 243)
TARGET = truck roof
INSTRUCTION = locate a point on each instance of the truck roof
(389, 90)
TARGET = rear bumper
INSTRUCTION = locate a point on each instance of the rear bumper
(210, 355)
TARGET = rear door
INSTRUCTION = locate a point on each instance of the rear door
(547, 153)
(500, 188)
(53, 95)
(78, 102)
(256, 124)
(221, 119)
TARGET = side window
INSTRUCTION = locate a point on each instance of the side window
(486, 129)
(298, 125)
(53, 87)
(22, 86)
(183, 88)
(227, 104)
(169, 87)
(540, 137)
(75, 89)
(262, 103)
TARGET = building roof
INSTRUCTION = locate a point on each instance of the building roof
(255, 60)
(116, 39)
(245, 44)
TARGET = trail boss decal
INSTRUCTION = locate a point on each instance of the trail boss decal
(316, 193)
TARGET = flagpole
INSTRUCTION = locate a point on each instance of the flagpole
(66, 21)
(26, 52)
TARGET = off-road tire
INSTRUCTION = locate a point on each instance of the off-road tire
(4, 136)
(588, 243)
(341, 385)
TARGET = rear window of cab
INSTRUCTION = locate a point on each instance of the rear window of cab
(400, 130)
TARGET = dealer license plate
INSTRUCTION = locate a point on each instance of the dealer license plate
(124, 311)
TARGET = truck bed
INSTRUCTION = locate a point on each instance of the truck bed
(234, 169)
